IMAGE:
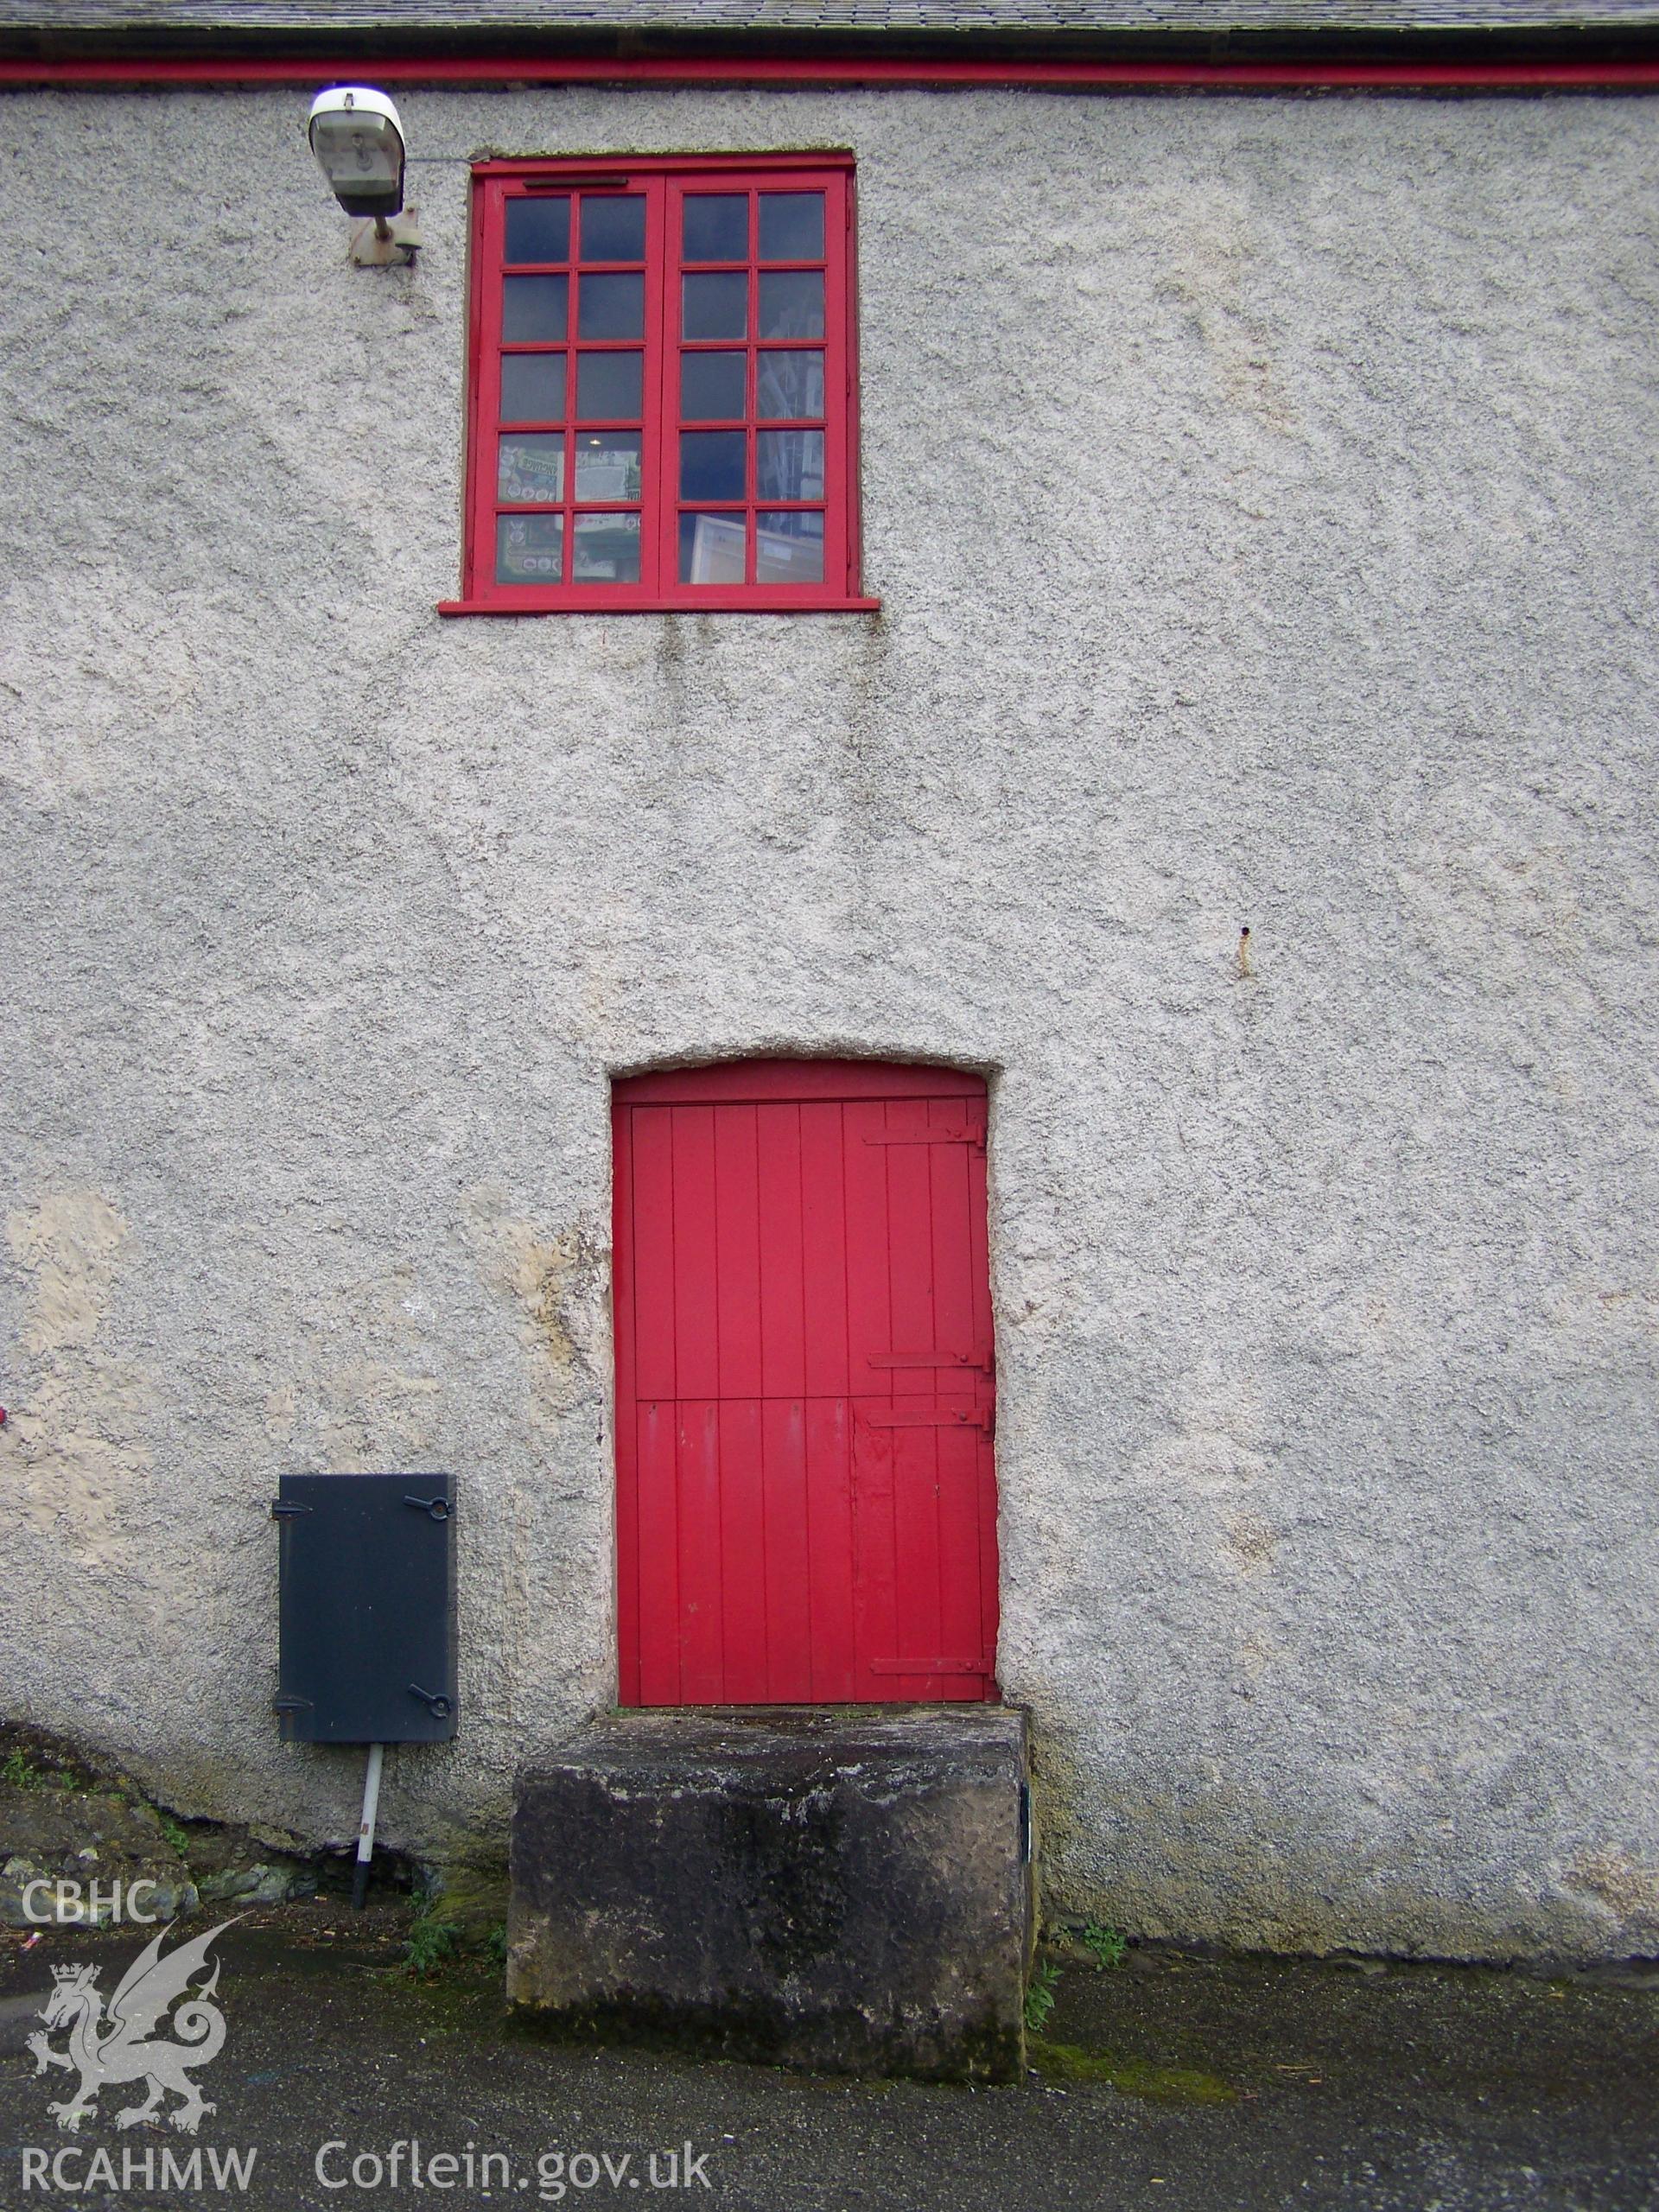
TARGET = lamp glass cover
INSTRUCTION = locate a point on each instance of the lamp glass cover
(362, 156)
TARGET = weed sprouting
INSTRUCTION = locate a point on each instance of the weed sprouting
(1039, 1997)
(1106, 1946)
(431, 1940)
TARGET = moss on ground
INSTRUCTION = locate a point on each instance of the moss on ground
(1135, 2077)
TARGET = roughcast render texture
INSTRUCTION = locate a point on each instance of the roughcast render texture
(1259, 494)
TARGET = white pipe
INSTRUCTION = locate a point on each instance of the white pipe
(366, 1825)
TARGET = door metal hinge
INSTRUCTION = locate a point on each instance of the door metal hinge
(287, 1508)
(980, 1417)
(930, 1666)
(971, 1363)
(974, 1137)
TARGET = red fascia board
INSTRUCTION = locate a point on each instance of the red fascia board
(877, 70)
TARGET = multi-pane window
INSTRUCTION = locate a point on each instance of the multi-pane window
(663, 404)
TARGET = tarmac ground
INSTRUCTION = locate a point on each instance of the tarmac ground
(1180, 2083)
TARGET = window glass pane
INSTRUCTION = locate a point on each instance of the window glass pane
(534, 307)
(711, 549)
(788, 386)
(606, 549)
(717, 226)
(609, 387)
(792, 303)
(711, 387)
(717, 307)
(789, 465)
(607, 465)
(532, 387)
(529, 549)
(712, 464)
(611, 306)
(613, 229)
(538, 229)
(791, 226)
(789, 549)
(530, 471)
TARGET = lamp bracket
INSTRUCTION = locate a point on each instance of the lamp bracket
(401, 242)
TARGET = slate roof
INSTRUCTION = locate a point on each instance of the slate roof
(1027, 21)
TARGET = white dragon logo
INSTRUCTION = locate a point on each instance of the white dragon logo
(123, 2047)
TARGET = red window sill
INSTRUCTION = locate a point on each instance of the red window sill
(706, 603)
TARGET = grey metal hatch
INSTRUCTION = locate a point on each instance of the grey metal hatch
(367, 1568)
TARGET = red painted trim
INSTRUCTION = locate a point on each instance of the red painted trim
(627, 1483)
(471, 435)
(709, 603)
(622, 168)
(752, 1081)
(881, 70)
(853, 455)
(660, 182)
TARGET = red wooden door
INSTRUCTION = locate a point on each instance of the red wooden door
(806, 1501)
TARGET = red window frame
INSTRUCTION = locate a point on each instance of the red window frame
(665, 184)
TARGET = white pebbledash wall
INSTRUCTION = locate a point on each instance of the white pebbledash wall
(1259, 496)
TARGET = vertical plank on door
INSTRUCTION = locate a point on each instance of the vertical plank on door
(869, 1337)
(782, 1286)
(703, 1674)
(915, 1562)
(696, 1255)
(656, 1428)
(788, 1569)
(835, 1678)
(825, 1301)
(869, 1246)
(737, 1252)
(744, 1611)
(950, 1215)
(985, 1392)
(647, 1224)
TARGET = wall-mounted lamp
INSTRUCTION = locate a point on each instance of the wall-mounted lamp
(358, 139)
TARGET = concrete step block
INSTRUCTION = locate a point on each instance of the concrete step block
(846, 1888)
